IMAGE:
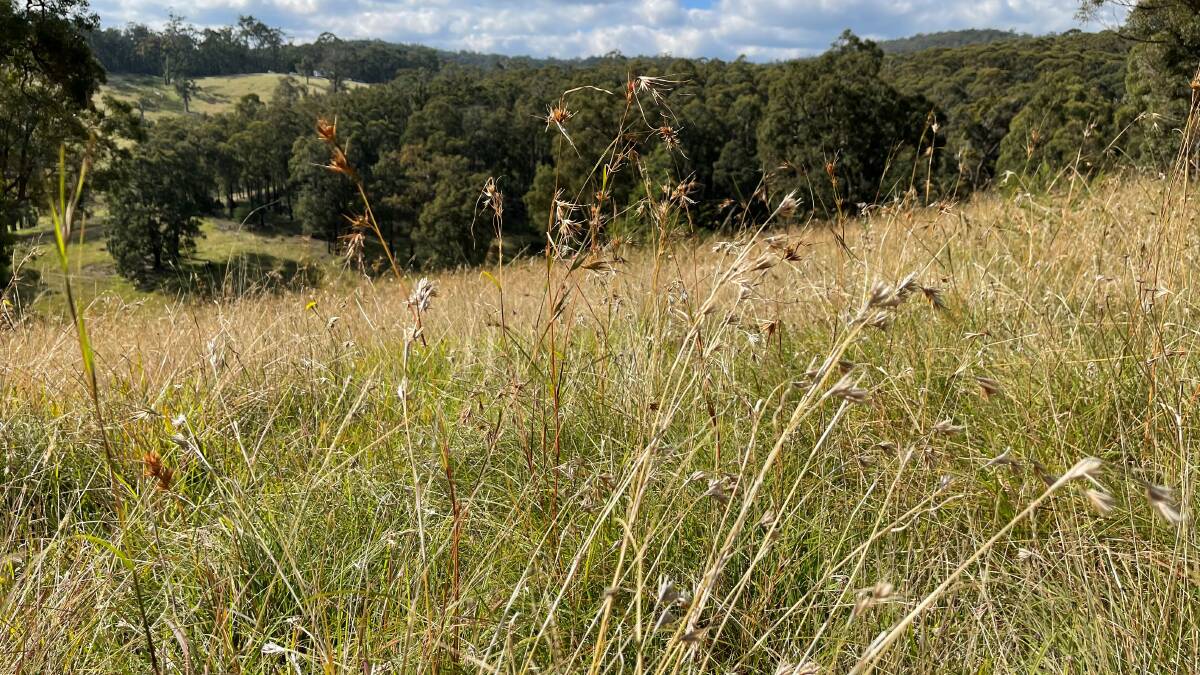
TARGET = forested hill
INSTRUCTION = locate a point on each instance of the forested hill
(251, 46)
(1030, 103)
(852, 127)
(254, 47)
(427, 140)
(948, 39)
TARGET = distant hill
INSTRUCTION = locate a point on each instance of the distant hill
(949, 39)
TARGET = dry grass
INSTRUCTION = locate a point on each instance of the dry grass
(309, 518)
(946, 439)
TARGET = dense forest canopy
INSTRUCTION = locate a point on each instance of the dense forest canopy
(927, 118)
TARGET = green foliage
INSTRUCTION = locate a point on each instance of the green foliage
(1159, 72)
(842, 128)
(853, 126)
(1070, 119)
(5, 258)
(435, 194)
(251, 46)
(154, 206)
(445, 232)
(185, 87)
(47, 80)
(322, 197)
(539, 198)
(979, 90)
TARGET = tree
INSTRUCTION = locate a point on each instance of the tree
(980, 89)
(263, 39)
(288, 92)
(841, 127)
(1069, 121)
(427, 206)
(323, 198)
(305, 68)
(47, 79)
(5, 260)
(445, 233)
(154, 203)
(1159, 72)
(335, 59)
(177, 44)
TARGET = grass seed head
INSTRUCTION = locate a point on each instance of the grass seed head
(789, 204)
(326, 130)
(669, 136)
(1101, 501)
(1162, 499)
(881, 592)
(338, 163)
(947, 427)
(422, 294)
(154, 467)
(882, 295)
(1003, 459)
(987, 386)
(1088, 467)
(1044, 474)
(934, 297)
(847, 389)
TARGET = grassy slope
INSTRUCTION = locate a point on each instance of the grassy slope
(665, 428)
(225, 254)
(247, 254)
(215, 95)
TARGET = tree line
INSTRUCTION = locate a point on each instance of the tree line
(181, 51)
(851, 127)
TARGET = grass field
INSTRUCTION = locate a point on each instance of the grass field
(227, 259)
(214, 94)
(951, 439)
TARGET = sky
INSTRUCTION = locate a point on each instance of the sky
(761, 30)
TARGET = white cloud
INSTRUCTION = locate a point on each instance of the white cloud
(760, 29)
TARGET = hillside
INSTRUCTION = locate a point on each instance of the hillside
(863, 363)
(228, 261)
(214, 94)
(949, 40)
(426, 143)
(961, 436)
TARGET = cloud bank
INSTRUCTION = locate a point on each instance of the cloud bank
(762, 30)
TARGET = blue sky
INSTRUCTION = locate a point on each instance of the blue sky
(762, 30)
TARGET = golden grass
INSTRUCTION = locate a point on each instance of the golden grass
(671, 475)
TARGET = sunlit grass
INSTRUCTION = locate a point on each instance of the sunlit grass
(214, 94)
(221, 242)
(309, 521)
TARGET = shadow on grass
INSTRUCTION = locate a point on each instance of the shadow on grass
(132, 85)
(16, 300)
(44, 235)
(241, 275)
(210, 97)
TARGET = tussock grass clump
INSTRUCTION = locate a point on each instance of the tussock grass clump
(954, 438)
